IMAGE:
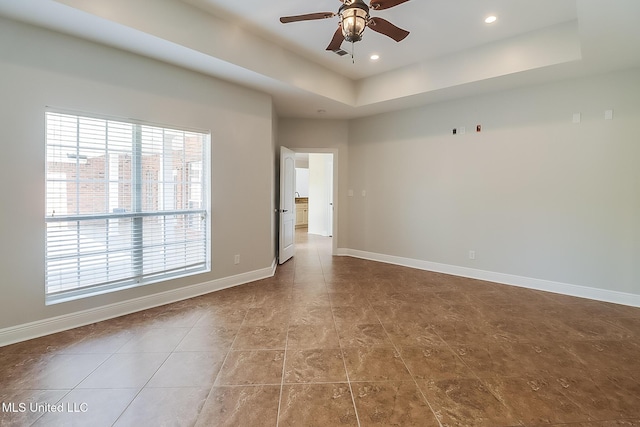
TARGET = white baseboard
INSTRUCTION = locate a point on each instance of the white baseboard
(506, 279)
(52, 325)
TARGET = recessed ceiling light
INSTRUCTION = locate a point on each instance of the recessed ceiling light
(490, 19)
(374, 57)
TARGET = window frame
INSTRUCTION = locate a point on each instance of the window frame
(137, 215)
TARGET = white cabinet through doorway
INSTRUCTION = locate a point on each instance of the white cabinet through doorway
(302, 212)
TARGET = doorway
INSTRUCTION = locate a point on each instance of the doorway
(316, 184)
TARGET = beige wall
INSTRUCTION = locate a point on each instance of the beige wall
(533, 194)
(39, 68)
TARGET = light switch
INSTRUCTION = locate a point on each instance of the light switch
(577, 117)
(350, 193)
(364, 193)
(608, 115)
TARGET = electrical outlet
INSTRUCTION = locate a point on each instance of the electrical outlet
(577, 117)
(472, 254)
(236, 259)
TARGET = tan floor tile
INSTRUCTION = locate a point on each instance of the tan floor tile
(48, 344)
(631, 324)
(615, 423)
(308, 298)
(310, 315)
(489, 360)
(231, 406)
(312, 336)
(162, 340)
(348, 299)
(267, 316)
(208, 339)
(375, 364)
(354, 315)
(98, 340)
(188, 369)
(261, 337)
(272, 297)
(609, 357)
(363, 335)
(58, 371)
(173, 316)
(592, 328)
(515, 330)
(164, 407)
(434, 362)
(317, 404)
(412, 334)
(603, 398)
(252, 367)
(519, 359)
(128, 370)
(401, 313)
(392, 404)
(226, 317)
(314, 365)
(463, 332)
(466, 402)
(536, 400)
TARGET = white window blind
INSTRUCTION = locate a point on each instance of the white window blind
(126, 204)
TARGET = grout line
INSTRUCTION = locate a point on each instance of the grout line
(215, 381)
(344, 363)
(473, 372)
(409, 370)
(112, 354)
(284, 353)
(143, 387)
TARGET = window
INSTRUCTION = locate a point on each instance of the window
(126, 204)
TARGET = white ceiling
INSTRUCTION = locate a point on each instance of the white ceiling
(438, 28)
(450, 52)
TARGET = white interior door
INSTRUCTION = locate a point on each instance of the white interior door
(287, 205)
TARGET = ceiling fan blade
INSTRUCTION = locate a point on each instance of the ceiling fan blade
(385, 27)
(385, 4)
(336, 41)
(307, 17)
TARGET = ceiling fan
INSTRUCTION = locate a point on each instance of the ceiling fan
(354, 18)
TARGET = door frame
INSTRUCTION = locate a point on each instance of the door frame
(334, 151)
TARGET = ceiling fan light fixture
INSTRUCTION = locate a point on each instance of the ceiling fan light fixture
(353, 20)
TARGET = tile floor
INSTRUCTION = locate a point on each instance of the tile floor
(336, 341)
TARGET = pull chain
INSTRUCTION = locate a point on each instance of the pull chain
(353, 60)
